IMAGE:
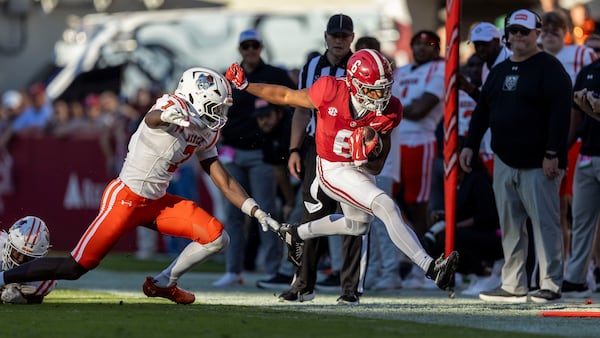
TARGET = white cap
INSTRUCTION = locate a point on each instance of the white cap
(524, 18)
(250, 34)
(484, 31)
(11, 99)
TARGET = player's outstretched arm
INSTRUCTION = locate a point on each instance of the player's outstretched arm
(276, 94)
(236, 194)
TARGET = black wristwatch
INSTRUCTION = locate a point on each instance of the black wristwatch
(550, 156)
(295, 150)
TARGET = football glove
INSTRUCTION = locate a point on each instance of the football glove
(266, 222)
(235, 74)
(363, 142)
(11, 294)
(175, 116)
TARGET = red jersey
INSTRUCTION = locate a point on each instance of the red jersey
(335, 122)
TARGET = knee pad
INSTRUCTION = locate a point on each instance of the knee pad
(356, 227)
(383, 205)
(218, 244)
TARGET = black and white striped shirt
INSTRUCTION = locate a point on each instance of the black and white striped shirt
(313, 70)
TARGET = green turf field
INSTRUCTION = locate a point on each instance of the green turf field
(108, 302)
(69, 313)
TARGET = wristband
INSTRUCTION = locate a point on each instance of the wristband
(248, 205)
(295, 150)
(550, 156)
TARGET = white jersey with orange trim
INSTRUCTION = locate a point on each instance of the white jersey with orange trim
(573, 58)
(154, 154)
(410, 82)
(29, 288)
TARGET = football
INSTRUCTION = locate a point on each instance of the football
(370, 135)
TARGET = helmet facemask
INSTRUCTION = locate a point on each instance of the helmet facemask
(27, 239)
(369, 78)
(208, 94)
(372, 97)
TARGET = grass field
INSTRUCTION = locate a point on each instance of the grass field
(68, 313)
(108, 302)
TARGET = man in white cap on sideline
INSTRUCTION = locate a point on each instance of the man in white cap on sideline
(491, 50)
(488, 47)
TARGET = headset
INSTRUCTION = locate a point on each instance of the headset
(538, 23)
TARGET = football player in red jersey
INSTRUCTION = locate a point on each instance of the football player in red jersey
(346, 164)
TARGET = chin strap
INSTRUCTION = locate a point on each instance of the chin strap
(357, 107)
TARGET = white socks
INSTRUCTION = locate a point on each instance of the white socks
(191, 255)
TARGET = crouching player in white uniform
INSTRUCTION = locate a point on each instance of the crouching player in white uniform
(26, 240)
(348, 159)
(176, 128)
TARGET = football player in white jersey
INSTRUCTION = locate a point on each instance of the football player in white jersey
(177, 127)
(573, 58)
(27, 239)
(420, 88)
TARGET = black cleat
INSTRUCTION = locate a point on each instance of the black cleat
(289, 234)
(348, 298)
(293, 296)
(442, 270)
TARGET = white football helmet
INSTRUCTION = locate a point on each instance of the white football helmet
(209, 94)
(27, 239)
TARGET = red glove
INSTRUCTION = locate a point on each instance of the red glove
(235, 74)
(363, 142)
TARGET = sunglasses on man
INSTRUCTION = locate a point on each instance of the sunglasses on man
(250, 44)
(522, 30)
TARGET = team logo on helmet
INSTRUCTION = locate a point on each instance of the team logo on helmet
(209, 94)
(205, 81)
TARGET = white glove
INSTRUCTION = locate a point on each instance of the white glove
(266, 222)
(175, 116)
(11, 294)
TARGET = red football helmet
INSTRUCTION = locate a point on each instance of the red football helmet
(369, 76)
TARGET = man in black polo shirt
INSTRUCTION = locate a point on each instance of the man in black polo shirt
(243, 141)
(526, 102)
